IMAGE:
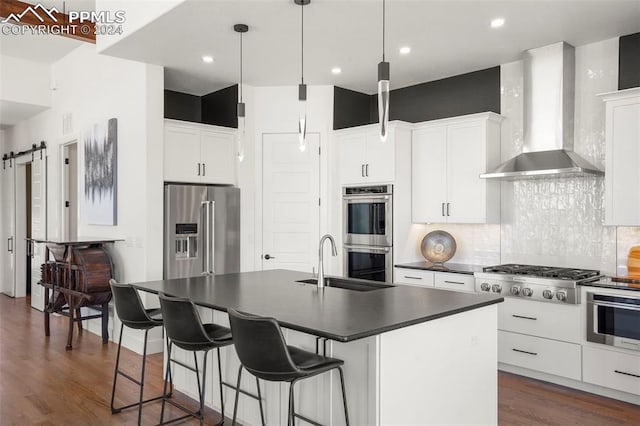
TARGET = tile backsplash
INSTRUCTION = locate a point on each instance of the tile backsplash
(554, 221)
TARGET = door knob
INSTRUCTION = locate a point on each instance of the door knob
(266, 256)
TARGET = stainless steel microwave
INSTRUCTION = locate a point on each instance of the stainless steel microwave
(614, 320)
(368, 215)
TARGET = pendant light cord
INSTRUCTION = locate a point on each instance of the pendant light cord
(383, 26)
(302, 44)
(240, 67)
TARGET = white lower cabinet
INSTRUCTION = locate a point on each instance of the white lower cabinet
(451, 281)
(611, 369)
(415, 277)
(548, 320)
(536, 353)
(426, 278)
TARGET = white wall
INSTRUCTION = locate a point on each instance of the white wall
(24, 81)
(92, 88)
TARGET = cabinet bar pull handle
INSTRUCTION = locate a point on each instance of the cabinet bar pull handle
(198, 169)
(412, 278)
(442, 209)
(523, 317)
(448, 209)
(362, 170)
(10, 244)
(204, 170)
(366, 169)
(524, 352)
(454, 282)
(626, 374)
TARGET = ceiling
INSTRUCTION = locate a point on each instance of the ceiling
(446, 37)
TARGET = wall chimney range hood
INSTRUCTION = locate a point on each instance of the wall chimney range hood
(549, 92)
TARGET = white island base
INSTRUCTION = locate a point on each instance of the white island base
(437, 372)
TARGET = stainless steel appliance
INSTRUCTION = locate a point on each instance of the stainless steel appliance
(368, 232)
(542, 283)
(548, 99)
(369, 263)
(201, 230)
(614, 320)
(368, 215)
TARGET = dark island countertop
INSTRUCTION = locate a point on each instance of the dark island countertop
(457, 268)
(333, 313)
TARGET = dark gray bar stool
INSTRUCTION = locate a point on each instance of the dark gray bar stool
(264, 353)
(186, 331)
(133, 314)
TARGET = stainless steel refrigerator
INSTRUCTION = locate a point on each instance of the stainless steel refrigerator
(201, 230)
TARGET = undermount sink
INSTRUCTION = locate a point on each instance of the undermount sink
(346, 284)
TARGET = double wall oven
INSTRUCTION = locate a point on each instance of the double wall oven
(368, 232)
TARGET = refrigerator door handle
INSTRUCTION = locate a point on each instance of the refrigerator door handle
(208, 236)
(211, 251)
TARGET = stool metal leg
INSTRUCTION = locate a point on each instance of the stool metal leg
(344, 396)
(220, 384)
(144, 364)
(235, 406)
(166, 378)
(292, 419)
(115, 373)
(260, 402)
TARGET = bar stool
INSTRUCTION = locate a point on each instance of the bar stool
(264, 353)
(133, 314)
(186, 331)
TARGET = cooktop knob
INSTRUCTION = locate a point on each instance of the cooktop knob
(515, 290)
(485, 287)
(561, 295)
(547, 294)
(496, 288)
(527, 292)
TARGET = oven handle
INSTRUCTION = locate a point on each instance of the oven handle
(366, 199)
(615, 305)
(367, 249)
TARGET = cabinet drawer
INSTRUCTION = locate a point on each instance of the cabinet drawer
(611, 369)
(535, 353)
(560, 322)
(413, 277)
(460, 282)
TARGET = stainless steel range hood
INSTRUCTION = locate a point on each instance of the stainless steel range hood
(549, 92)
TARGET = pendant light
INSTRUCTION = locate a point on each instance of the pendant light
(302, 87)
(383, 86)
(241, 28)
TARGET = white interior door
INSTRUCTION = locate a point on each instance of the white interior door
(7, 279)
(38, 226)
(290, 202)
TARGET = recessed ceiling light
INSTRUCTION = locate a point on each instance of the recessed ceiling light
(336, 70)
(497, 23)
(207, 59)
(405, 50)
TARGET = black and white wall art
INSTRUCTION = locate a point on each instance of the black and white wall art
(101, 173)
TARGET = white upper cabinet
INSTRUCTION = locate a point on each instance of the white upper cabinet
(622, 157)
(199, 153)
(448, 157)
(364, 158)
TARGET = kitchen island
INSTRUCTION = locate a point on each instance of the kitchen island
(412, 355)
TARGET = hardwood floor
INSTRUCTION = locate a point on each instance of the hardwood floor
(42, 383)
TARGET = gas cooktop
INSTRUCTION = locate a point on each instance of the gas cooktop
(543, 271)
(542, 283)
